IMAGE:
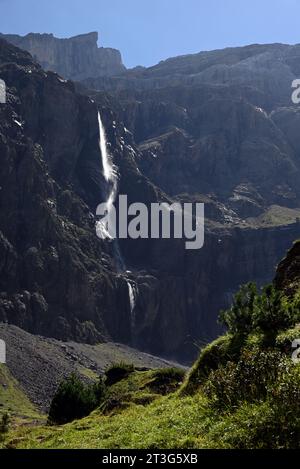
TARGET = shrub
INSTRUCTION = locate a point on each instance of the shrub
(74, 399)
(238, 318)
(272, 423)
(284, 402)
(287, 389)
(274, 311)
(268, 312)
(285, 339)
(116, 372)
(251, 379)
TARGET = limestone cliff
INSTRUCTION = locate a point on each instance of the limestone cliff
(76, 58)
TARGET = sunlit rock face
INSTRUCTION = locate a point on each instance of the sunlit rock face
(76, 58)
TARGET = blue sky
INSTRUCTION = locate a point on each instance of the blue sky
(147, 31)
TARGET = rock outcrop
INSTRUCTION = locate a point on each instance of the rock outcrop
(75, 58)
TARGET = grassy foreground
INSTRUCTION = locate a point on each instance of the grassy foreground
(136, 415)
(13, 400)
(168, 422)
(242, 392)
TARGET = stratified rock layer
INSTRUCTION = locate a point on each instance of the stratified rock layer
(76, 58)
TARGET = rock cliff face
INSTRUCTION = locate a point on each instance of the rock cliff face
(262, 73)
(232, 144)
(217, 123)
(56, 276)
(76, 58)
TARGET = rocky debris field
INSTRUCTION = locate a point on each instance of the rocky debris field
(39, 364)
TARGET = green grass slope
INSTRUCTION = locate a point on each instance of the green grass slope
(12, 398)
(264, 414)
(242, 392)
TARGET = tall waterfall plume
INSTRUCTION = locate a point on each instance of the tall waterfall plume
(132, 292)
(111, 177)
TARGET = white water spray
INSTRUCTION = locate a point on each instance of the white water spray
(109, 171)
(111, 177)
(132, 292)
(131, 295)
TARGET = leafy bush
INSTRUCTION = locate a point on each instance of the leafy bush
(285, 398)
(270, 423)
(74, 400)
(287, 389)
(251, 379)
(116, 372)
(285, 339)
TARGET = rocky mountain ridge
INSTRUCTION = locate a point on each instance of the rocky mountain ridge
(74, 58)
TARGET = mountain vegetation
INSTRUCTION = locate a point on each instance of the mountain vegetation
(242, 392)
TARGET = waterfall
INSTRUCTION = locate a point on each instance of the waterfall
(132, 292)
(131, 296)
(110, 175)
(109, 171)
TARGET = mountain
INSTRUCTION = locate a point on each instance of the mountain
(218, 121)
(175, 134)
(76, 58)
